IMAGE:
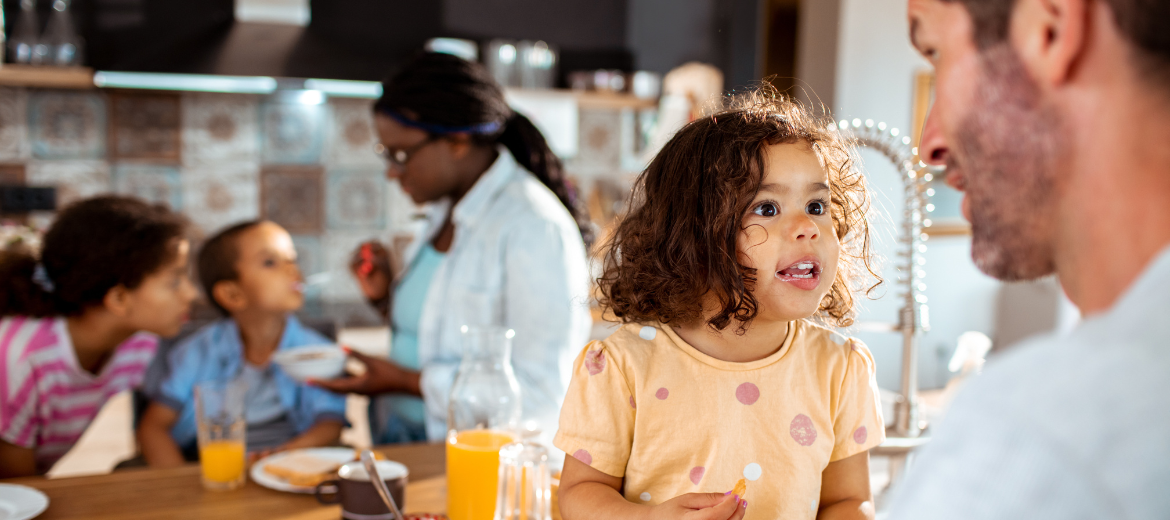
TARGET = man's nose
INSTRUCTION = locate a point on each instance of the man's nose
(932, 148)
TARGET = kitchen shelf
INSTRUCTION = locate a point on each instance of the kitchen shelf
(12, 75)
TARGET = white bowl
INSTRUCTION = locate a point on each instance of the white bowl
(312, 362)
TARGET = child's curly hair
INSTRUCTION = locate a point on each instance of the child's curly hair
(677, 243)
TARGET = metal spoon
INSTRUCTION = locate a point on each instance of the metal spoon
(372, 470)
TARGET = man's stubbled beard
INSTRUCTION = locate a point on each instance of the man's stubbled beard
(1006, 147)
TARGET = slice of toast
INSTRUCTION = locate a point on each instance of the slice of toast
(302, 469)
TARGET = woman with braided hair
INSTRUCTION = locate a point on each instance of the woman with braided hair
(504, 244)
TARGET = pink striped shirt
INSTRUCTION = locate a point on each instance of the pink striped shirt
(46, 399)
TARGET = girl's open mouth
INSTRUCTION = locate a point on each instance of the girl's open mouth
(804, 273)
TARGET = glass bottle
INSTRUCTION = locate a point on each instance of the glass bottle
(25, 33)
(483, 415)
(61, 39)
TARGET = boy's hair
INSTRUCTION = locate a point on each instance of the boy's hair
(217, 260)
(93, 246)
(678, 241)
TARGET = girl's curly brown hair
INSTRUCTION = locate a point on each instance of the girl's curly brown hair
(677, 243)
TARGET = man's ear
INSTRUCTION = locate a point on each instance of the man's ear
(1050, 37)
(229, 295)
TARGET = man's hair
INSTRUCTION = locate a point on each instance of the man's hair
(678, 241)
(217, 260)
(1145, 23)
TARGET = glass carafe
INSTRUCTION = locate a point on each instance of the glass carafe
(483, 415)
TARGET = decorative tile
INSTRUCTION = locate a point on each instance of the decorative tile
(14, 145)
(400, 210)
(355, 199)
(154, 183)
(293, 196)
(218, 196)
(145, 126)
(12, 174)
(600, 147)
(67, 125)
(220, 128)
(74, 180)
(351, 136)
(310, 258)
(292, 133)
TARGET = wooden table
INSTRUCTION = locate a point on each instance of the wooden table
(177, 493)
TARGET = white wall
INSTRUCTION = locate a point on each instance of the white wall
(875, 72)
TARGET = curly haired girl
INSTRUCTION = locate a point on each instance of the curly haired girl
(747, 229)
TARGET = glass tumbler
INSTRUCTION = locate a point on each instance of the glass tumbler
(219, 419)
(525, 485)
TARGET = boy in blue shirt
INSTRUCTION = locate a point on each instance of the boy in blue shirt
(250, 274)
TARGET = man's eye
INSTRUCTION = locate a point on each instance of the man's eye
(766, 209)
(270, 263)
(816, 208)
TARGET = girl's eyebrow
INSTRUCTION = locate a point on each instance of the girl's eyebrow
(783, 189)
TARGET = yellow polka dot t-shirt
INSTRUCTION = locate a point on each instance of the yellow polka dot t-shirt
(645, 406)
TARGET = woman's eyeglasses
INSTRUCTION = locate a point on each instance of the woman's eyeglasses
(398, 158)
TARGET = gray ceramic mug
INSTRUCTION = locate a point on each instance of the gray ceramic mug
(356, 494)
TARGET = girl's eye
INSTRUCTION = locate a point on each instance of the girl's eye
(816, 207)
(269, 263)
(766, 209)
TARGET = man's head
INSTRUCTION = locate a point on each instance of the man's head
(1007, 74)
(251, 267)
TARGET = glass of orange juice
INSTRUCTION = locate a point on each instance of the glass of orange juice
(219, 419)
(482, 414)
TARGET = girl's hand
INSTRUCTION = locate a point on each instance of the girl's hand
(700, 506)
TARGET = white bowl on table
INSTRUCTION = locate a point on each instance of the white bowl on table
(312, 362)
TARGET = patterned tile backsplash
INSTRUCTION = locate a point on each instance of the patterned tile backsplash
(227, 158)
(155, 183)
(67, 124)
(216, 196)
(355, 199)
(292, 133)
(292, 196)
(145, 126)
(220, 128)
(14, 144)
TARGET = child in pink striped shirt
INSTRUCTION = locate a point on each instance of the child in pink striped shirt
(79, 325)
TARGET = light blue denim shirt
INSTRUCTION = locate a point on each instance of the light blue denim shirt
(215, 353)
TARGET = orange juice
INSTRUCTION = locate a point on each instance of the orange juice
(473, 464)
(222, 463)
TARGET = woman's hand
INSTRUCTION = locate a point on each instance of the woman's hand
(700, 506)
(370, 265)
(381, 377)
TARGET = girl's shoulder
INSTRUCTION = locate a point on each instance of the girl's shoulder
(633, 343)
(829, 347)
(28, 335)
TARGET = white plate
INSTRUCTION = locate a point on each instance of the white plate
(21, 502)
(259, 476)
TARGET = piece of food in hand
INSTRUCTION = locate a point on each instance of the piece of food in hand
(302, 469)
(740, 488)
(357, 455)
